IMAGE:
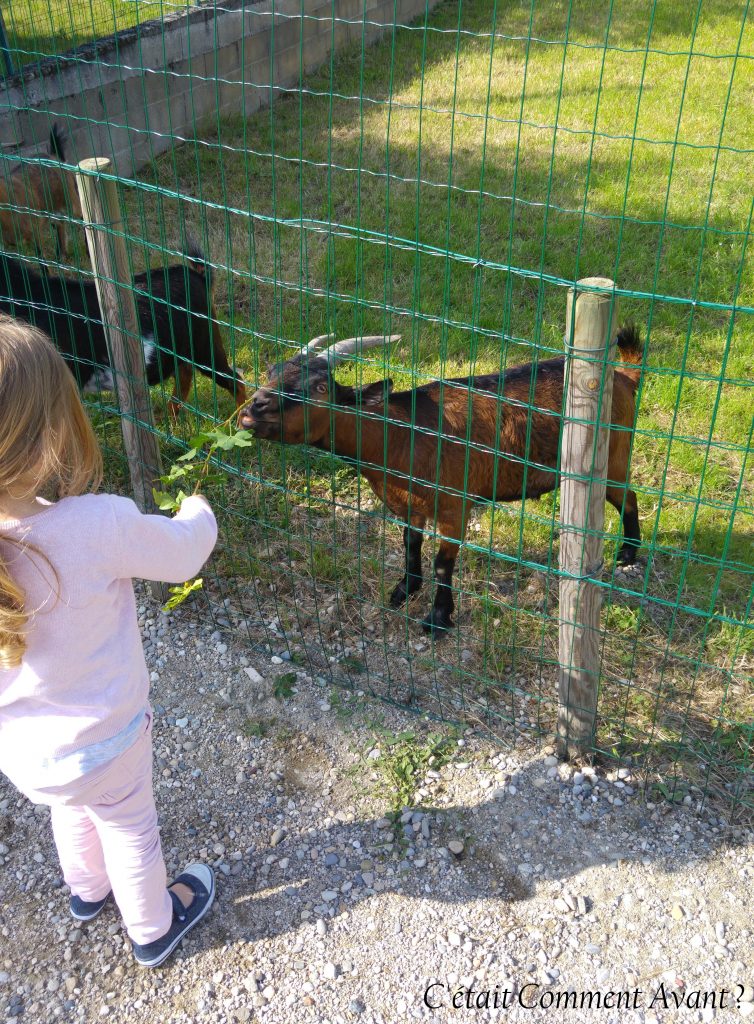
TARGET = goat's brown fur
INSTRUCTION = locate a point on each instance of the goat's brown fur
(31, 189)
(498, 438)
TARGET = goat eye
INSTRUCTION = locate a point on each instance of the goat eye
(322, 389)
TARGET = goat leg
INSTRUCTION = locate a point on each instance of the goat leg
(628, 508)
(439, 618)
(413, 579)
(181, 389)
(226, 377)
(61, 245)
(238, 385)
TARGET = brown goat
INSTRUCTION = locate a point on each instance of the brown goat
(32, 189)
(431, 452)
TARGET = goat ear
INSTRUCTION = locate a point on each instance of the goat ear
(374, 394)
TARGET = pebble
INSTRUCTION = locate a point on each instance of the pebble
(331, 971)
(456, 847)
(277, 837)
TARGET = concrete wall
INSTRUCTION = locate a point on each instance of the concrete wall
(130, 95)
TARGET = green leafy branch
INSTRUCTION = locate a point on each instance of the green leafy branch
(192, 471)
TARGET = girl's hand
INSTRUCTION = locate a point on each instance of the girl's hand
(190, 473)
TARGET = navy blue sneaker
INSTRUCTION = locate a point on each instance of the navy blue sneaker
(200, 879)
(84, 911)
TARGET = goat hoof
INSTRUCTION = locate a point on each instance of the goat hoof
(402, 592)
(626, 556)
(437, 624)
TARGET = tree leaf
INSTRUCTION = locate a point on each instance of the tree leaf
(181, 592)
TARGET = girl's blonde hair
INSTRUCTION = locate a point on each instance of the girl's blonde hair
(46, 441)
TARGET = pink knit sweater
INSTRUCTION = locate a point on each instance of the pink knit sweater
(83, 680)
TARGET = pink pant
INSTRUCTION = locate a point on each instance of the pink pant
(105, 828)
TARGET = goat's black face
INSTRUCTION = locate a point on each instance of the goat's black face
(293, 406)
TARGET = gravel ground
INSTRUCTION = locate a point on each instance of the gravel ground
(513, 886)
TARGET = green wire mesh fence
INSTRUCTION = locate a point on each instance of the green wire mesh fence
(444, 172)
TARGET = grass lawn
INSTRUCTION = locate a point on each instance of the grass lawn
(446, 185)
(42, 28)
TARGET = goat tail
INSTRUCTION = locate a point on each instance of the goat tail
(630, 351)
(195, 256)
(57, 146)
(630, 348)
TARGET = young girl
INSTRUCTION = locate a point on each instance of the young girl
(75, 723)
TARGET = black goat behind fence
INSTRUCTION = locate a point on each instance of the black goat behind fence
(179, 329)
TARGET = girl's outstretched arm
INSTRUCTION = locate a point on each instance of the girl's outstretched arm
(155, 547)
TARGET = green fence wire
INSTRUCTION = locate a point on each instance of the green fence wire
(446, 177)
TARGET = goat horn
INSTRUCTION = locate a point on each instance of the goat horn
(344, 348)
(317, 342)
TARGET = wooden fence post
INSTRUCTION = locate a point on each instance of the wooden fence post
(590, 351)
(103, 226)
(104, 238)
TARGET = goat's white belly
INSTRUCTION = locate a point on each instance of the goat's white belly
(102, 379)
